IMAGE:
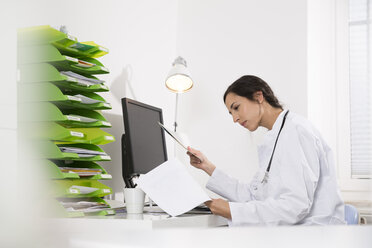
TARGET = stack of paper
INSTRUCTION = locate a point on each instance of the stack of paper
(81, 171)
(83, 99)
(84, 206)
(81, 151)
(83, 190)
(85, 64)
(81, 79)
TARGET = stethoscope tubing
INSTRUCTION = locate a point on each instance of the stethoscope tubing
(272, 154)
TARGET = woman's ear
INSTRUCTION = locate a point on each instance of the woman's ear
(258, 96)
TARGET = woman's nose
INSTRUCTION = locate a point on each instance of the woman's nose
(235, 119)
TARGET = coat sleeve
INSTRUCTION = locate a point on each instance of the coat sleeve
(296, 170)
(228, 187)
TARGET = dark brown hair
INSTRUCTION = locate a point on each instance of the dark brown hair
(248, 85)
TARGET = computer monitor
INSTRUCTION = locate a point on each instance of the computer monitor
(143, 144)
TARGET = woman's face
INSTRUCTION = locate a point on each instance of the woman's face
(244, 111)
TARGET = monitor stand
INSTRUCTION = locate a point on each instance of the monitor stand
(128, 178)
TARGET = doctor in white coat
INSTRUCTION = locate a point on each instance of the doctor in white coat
(296, 180)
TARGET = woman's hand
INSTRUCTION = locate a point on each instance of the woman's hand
(219, 207)
(198, 160)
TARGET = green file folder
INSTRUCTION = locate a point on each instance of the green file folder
(48, 92)
(50, 150)
(34, 73)
(94, 136)
(46, 111)
(66, 43)
(60, 211)
(52, 131)
(92, 147)
(86, 49)
(44, 35)
(49, 54)
(62, 135)
(71, 188)
(100, 212)
(78, 115)
(56, 172)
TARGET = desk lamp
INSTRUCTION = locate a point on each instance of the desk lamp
(178, 81)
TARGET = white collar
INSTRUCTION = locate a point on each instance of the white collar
(278, 122)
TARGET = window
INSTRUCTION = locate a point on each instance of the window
(360, 88)
(353, 98)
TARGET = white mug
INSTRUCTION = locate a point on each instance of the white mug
(134, 199)
(134, 216)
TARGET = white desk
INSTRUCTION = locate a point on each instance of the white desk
(271, 237)
(136, 222)
(149, 220)
(158, 230)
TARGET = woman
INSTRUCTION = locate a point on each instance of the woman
(296, 180)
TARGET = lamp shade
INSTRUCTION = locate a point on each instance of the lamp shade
(179, 78)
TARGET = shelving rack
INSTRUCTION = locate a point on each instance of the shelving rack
(59, 112)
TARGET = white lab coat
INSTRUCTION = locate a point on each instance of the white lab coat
(301, 187)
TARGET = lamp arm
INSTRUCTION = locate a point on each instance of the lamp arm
(175, 114)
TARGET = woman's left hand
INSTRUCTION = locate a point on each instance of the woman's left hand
(219, 207)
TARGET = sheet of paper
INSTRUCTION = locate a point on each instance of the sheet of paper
(87, 100)
(81, 151)
(81, 77)
(172, 188)
(83, 189)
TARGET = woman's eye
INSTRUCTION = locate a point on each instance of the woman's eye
(237, 107)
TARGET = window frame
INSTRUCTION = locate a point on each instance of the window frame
(346, 181)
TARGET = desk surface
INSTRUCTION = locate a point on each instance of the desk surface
(147, 221)
(158, 230)
(110, 235)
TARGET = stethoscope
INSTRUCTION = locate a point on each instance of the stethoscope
(264, 180)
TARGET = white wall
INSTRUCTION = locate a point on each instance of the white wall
(223, 40)
(141, 36)
(322, 68)
(8, 125)
(289, 43)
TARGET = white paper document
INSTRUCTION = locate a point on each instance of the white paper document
(81, 78)
(83, 189)
(172, 187)
(81, 151)
(87, 100)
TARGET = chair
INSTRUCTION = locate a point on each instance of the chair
(351, 215)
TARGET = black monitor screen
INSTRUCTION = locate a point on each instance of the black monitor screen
(144, 140)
